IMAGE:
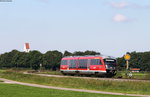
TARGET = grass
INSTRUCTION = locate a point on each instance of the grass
(21, 70)
(136, 75)
(2, 70)
(50, 72)
(13, 90)
(90, 84)
(141, 76)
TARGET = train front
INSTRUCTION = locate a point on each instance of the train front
(111, 66)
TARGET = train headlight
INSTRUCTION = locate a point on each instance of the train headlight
(106, 66)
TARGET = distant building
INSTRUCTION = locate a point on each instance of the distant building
(135, 69)
(26, 47)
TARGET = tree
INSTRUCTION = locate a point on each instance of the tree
(66, 53)
(51, 59)
(6, 59)
(91, 53)
(35, 59)
(79, 53)
(21, 59)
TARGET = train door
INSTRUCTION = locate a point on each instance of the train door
(73, 63)
(83, 64)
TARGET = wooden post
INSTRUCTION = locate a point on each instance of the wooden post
(127, 64)
(127, 58)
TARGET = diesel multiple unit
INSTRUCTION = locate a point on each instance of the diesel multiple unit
(91, 65)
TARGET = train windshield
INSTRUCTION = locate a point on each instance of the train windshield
(110, 62)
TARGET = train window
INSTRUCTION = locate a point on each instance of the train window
(72, 63)
(64, 62)
(96, 62)
(83, 63)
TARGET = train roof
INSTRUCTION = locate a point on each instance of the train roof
(102, 56)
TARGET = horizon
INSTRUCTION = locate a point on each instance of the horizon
(74, 52)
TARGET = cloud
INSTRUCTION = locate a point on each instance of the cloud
(120, 18)
(124, 4)
(119, 4)
(140, 6)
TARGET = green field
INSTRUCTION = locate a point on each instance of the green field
(13, 90)
(79, 83)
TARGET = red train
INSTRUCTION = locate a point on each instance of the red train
(90, 65)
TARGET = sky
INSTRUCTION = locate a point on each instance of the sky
(111, 27)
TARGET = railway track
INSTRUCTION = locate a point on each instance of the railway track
(96, 78)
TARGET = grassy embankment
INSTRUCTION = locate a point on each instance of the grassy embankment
(90, 84)
(13, 90)
(122, 74)
(139, 75)
(136, 75)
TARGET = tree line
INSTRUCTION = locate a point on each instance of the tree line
(33, 59)
(138, 60)
(52, 59)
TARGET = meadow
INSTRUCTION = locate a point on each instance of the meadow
(79, 83)
(13, 90)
